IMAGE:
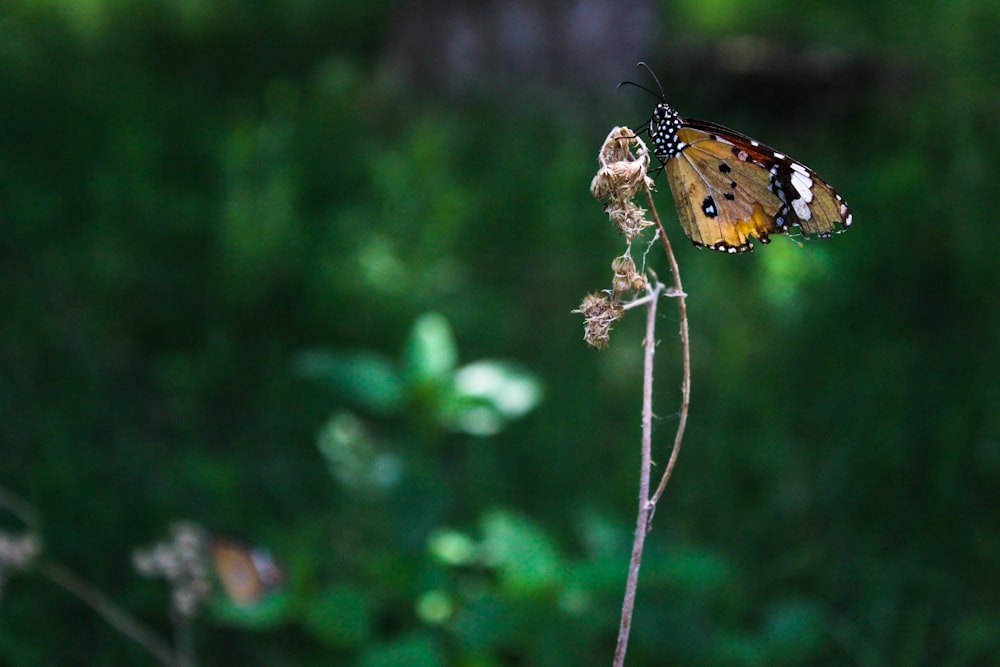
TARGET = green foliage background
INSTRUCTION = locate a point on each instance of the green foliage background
(194, 195)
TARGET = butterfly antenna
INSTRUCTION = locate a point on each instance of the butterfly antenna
(640, 87)
(649, 69)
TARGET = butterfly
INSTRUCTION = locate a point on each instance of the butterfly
(728, 187)
(247, 573)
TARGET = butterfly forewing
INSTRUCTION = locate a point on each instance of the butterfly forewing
(729, 187)
(721, 204)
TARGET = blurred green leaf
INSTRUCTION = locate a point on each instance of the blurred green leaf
(452, 547)
(431, 353)
(270, 612)
(413, 651)
(435, 607)
(489, 622)
(368, 379)
(354, 457)
(524, 555)
(793, 631)
(488, 394)
(339, 616)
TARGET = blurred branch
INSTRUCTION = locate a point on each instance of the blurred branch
(90, 595)
(183, 638)
(117, 617)
(20, 508)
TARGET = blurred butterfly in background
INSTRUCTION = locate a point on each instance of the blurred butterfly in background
(247, 573)
(727, 186)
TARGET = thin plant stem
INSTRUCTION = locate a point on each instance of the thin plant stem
(685, 353)
(115, 616)
(647, 503)
(642, 521)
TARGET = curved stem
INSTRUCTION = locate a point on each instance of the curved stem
(685, 351)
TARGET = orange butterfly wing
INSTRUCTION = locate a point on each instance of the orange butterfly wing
(729, 187)
(247, 573)
(721, 201)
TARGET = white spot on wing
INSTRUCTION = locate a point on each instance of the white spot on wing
(801, 208)
(803, 185)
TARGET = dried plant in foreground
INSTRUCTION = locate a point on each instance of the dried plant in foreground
(623, 175)
(193, 561)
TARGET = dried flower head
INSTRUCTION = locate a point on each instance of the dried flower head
(622, 175)
(183, 560)
(624, 166)
(599, 313)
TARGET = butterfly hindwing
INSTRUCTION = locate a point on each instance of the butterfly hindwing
(814, 205)
(729, 187)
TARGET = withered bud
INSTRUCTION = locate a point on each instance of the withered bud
(626, 278)
(599, 313)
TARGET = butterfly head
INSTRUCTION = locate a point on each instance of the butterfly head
(663, 126)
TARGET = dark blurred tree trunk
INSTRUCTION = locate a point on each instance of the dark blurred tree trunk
(517, 47)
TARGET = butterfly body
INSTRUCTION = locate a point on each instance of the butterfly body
(729, 187)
